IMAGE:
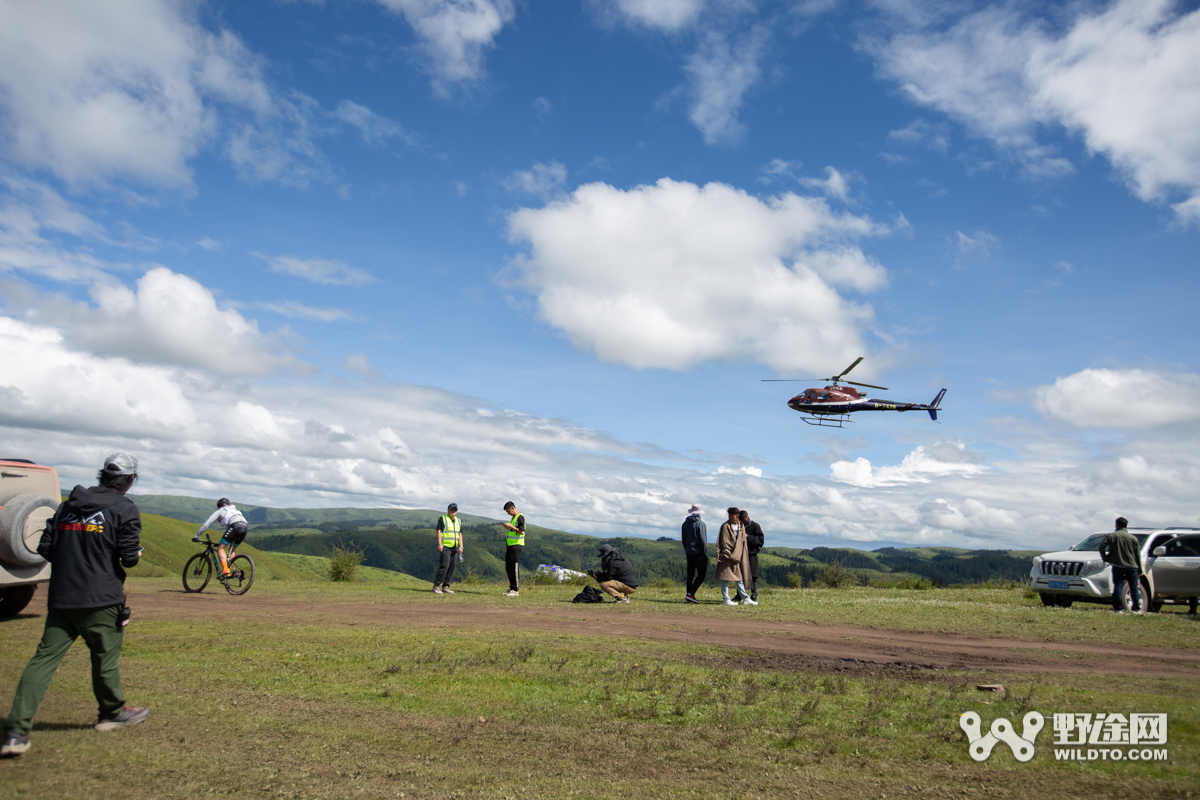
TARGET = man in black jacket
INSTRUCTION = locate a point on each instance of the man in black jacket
(754, 543)
(88, 540)
(617, 576)
(695, 549)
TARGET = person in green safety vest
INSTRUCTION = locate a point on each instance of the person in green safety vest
(515, 540)
(449, 542)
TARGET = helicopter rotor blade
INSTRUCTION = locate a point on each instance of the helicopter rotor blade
(871, 385)
(846, 371)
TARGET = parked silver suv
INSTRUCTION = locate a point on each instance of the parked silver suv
(1170, 558)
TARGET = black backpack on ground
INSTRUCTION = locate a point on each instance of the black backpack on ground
(590, 594)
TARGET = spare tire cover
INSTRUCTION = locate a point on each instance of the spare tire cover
(22, 520)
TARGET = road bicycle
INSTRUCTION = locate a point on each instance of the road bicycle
(200, 567)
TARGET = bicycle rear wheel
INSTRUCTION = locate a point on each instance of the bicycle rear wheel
(196, 572)
(241, 575)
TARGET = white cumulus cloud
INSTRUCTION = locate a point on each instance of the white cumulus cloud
(171, 319)
(455, 34)
(120, 90)
(675, 274)
(922, 465)
(663, 15)
(1121, 399)
(1125, 77)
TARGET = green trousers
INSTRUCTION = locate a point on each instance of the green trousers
(102, 635)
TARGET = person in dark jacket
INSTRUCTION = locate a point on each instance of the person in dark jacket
(616, 576)
(89, 540)
(754, 543)
(1123, 553)
(695, 550)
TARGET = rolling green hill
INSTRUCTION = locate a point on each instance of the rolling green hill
(198, 509)
(168, 545)
(403, 540)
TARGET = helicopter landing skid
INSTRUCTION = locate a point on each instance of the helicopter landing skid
(831, 421)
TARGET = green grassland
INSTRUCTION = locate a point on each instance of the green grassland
(306, 708)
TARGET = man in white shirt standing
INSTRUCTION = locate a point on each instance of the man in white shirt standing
(235, 526)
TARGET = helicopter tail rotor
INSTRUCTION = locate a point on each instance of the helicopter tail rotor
(933, 407)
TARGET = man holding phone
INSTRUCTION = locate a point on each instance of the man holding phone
(92, 536)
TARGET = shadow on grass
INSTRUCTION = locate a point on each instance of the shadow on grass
(22, 615)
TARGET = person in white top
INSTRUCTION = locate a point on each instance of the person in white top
(235, 526)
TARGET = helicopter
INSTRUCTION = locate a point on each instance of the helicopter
(832, 406)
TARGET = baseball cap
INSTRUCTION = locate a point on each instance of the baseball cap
(121, 464)
(452, 507)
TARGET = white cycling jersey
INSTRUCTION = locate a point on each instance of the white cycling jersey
(226, 516)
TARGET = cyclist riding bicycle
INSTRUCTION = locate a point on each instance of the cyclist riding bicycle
(235, 530)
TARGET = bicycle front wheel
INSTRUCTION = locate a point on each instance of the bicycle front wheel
(241, 575)
(196, 572)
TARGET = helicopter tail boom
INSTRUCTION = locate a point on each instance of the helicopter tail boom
(933, 407)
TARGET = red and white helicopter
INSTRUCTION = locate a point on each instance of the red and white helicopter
(832, 406)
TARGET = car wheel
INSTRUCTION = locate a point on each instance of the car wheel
(1148, 601)
(1192, 605)
(1064, 601)
(13, 599)
(1049, 600)
(1127, 599)
(21, 522)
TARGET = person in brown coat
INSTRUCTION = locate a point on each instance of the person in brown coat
(733, 559)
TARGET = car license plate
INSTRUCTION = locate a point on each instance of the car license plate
(1060, 584)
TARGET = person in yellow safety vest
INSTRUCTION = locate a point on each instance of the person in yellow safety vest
(449, 542)
(516, 543)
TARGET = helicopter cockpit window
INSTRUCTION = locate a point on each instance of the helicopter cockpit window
(823, 396)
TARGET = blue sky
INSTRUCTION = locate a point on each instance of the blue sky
(408, 252)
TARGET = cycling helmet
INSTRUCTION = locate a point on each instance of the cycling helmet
(224, 501)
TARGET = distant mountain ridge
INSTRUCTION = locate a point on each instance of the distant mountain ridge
(403, 540)
(198, 509)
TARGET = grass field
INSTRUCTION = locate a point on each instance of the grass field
(295, 705)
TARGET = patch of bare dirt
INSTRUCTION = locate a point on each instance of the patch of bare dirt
(796, 645)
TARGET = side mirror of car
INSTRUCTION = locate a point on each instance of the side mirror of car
(1072, 547)
(1159, 551)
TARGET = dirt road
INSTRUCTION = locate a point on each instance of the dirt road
(797, 644)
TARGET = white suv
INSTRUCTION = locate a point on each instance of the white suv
(1170, 558)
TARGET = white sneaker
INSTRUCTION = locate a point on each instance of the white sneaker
(746, 601)
(447, 590)
(437, 589)
(510, 593)
(730, 602)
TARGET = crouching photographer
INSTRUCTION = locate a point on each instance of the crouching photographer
(617, 576)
